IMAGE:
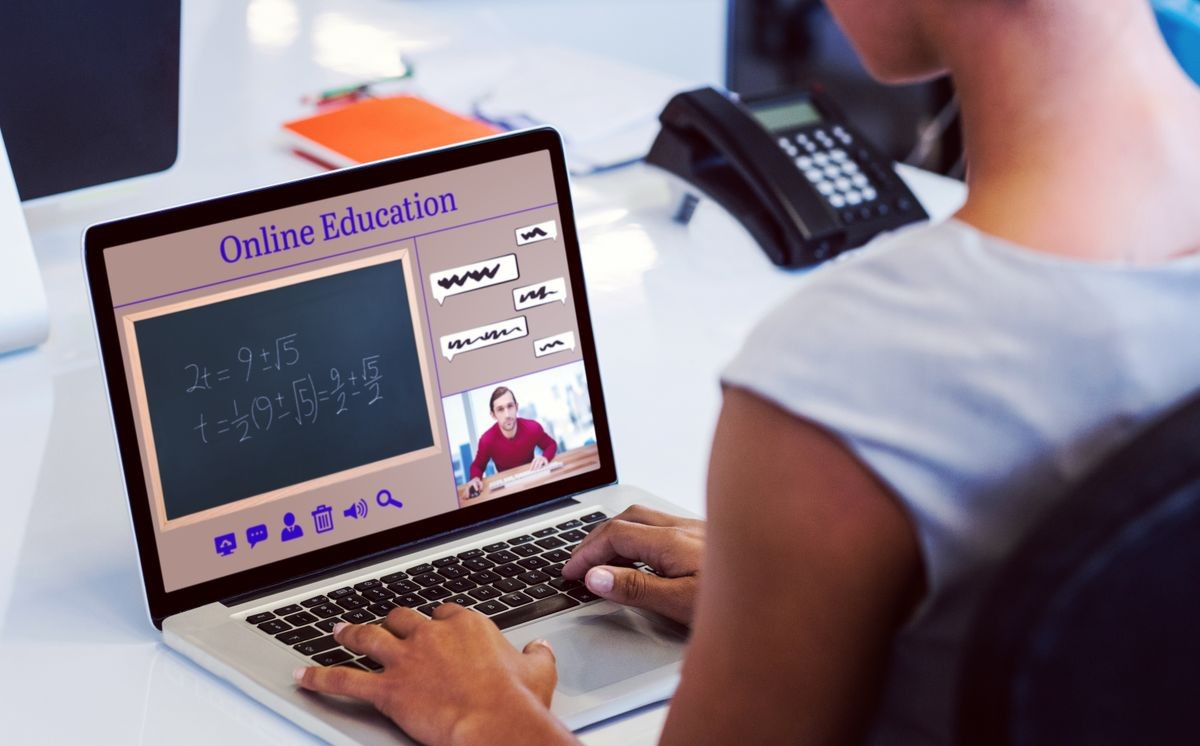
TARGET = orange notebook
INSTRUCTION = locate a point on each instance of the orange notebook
(377, 128)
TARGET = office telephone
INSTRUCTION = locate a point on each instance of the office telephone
(798, 176)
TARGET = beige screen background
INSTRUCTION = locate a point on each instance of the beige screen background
(185, 269)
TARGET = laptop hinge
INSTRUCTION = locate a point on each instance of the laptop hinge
(399, 550)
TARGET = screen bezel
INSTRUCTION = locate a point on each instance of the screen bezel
(98, 238)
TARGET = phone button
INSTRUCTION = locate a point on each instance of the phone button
(837, 200)
(814, 175)
(824, 187)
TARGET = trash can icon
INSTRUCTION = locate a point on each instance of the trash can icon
(323, 518)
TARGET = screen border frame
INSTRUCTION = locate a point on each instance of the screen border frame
(310, 565)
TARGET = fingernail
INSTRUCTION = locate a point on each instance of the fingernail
(600, 580)
(339, 627)
(545, 643)
(298, 674)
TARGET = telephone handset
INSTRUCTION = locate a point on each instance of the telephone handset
(804, 183)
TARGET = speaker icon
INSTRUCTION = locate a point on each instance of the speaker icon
(357, 510)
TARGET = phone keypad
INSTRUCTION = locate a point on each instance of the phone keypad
(823, 155)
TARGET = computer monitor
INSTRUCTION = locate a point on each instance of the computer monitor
(89, 91)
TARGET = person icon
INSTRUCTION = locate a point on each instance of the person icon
(290, 529)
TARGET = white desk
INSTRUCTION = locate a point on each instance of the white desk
(79, 660)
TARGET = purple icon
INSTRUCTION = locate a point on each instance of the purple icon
(291, 530)
(255, 534)
(357, 510)
(384, 498)
(225, 544)
(323, 518)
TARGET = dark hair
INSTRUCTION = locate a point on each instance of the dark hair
(499, 392)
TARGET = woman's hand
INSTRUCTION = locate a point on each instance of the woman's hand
(450, 679)
(671, 545)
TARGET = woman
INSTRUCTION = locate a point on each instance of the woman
(944, 386)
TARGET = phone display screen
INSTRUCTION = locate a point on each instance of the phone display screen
(786, 116)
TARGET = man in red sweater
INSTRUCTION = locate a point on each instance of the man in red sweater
(510, 442)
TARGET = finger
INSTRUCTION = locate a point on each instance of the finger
(339, 680)
(446, 611)
(367, 639)
(651, 517)
(540, 659)
(403, 621)
(656, 546)
(673, 598)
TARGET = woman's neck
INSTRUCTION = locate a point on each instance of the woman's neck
(1079, 129)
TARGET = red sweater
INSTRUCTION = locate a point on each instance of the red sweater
(493, 446)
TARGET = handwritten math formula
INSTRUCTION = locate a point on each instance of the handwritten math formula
(286, 392)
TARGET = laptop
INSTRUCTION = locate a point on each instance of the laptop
(370, 388)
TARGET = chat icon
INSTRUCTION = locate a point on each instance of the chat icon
(470, 340)
(475, 276)
(256, 534)
(539, 232)
(540, 294)
(551, 345)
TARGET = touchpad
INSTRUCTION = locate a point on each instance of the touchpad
(597, 651)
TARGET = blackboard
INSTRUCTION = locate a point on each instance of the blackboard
(262, 391)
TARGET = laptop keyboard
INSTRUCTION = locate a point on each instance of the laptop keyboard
(512, 582)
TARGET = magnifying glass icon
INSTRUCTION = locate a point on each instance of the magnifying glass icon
(384, 498)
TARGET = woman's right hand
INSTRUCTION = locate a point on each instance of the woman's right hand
(672, 545)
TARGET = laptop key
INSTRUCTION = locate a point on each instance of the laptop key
(553, 571)
(574, 535)
(314, 601)
(593, 517)
(274, 626)
(420, 569)
(540, 591)
(573, 523)
(370, 664)
(490, 607)
(557, 555)
(563, 584)
(453, 571)
(502, 557)
(542, 533)
(470, 554)
(525, 550)
(478, 564)
(590, 527)
(582, 594)
(518, 540)
(341, 593)
(533, 577)
(366, 584)
(327, 625)
(318, 645)
(358, 616)
(535, 610)
(427, 610)
(289, 609)
(461, 600)
(382, 608)
(484, 577)
(551, 542)
(332, 657)
(301, 619)
(378, 594)
(260, 618)
(435, 593)
(392, 578)
(352, 602)
(495, 547)
(293, 636)
(403, 586)
(508, 585)
(462, 585)
(509, 571)
(445, 561)
(411, 600)
(428, 579)
(484, 593)
(533, 563)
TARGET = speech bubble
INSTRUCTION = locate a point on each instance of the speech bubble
(469, 340)
(551, 345)
(256, 534)
(475, 276)
(537, 232)
(540, 294)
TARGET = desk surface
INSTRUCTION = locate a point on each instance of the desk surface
(81, 662)
(570, 463)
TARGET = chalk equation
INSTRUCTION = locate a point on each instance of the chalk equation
(292, 397)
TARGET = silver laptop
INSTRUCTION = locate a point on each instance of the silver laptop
(372, 388)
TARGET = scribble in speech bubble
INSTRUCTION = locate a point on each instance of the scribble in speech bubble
(551, 345)
(470, 340)
(540, 294)
(470, 277)
(256, 534)
(538, 232)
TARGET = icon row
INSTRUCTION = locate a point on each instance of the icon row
(322, 522)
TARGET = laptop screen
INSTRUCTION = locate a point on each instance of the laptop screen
(309, 375)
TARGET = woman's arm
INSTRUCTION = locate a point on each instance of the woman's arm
(810, 568)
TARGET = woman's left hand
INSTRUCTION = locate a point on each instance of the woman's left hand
(450, 679)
